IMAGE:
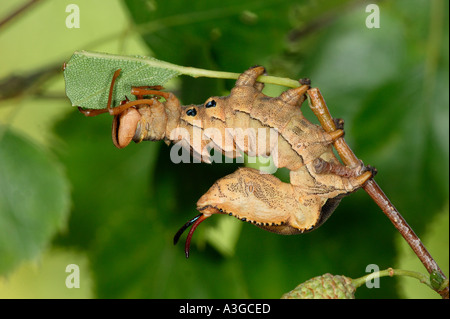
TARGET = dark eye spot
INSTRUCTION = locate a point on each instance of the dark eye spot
(191, 112)
(211, 103)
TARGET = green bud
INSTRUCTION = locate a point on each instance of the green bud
(326, 286)
(436, 279)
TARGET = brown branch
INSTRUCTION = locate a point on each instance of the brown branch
(30, 83)
(325, 19)
(17, 12)
(320, 109)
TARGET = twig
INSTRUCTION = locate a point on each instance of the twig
(184, 70)
(17, 12)
(27, 84)
(320, 109)
(324, 20)
(358, 282)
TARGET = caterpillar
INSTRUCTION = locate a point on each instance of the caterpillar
(246, 121)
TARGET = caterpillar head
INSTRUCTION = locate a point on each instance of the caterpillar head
(197, 115)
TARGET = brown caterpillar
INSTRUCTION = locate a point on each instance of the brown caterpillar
(247, 121)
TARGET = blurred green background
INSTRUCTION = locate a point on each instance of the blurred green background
(68, 196)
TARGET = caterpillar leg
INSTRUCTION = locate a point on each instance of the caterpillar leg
(140, 91)
(248, 78)
(363, 172)
(296, 96)
(124, 105)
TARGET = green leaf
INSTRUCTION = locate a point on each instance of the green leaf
(34, 200)
(88, 76)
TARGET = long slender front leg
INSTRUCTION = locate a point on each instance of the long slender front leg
(149, 90)
(126, 104)
(89, 112)
(126, 117)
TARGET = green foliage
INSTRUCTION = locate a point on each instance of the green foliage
(88, 77)
(390, 85)
(326, 286)
(229, 35)
(34, 199)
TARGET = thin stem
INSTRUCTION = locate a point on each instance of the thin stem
(358, 282)
(191, 71)
(372, 188)
(17, 12)
(196, 72)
